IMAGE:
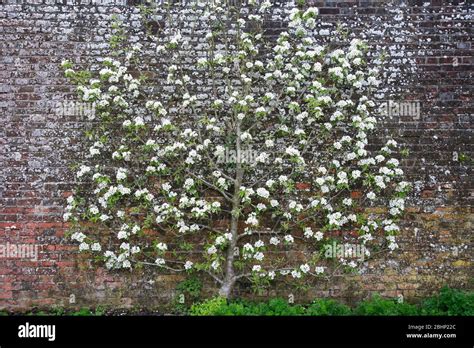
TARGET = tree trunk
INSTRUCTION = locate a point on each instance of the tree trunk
(227, 287)
(229, 279)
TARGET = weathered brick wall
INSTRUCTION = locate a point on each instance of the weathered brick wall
(36, 147)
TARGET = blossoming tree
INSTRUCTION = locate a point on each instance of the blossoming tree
(249, 178)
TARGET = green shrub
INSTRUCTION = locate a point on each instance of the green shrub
(219, 306)
(327, 307)
(60, 311)
(278, 307)
(214, 306)
(379, 306)
(449, 302)
(191, 290)
(87, 312)
(83, 312)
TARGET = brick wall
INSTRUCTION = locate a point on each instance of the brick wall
(36, 147)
